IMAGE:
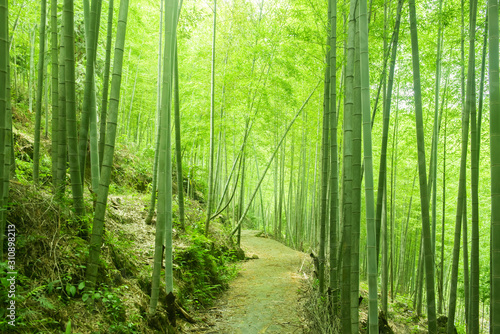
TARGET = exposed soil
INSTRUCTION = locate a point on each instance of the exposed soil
(264, 296)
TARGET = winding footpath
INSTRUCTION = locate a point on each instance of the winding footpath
(264, 296)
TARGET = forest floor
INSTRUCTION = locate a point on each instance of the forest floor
(264, 296)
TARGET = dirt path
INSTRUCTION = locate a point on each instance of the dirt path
(263, 298)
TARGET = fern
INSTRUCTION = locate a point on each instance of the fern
(45, 303)
(35, 291)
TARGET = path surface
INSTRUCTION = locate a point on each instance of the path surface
(264, 296)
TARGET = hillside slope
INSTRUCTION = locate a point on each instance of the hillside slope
(52, 251)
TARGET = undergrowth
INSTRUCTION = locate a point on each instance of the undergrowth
(317, 310)
(52, 252)
(321, 318)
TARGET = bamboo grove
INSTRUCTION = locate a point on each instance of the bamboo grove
(319, 122)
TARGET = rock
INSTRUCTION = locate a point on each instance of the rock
(253, 257)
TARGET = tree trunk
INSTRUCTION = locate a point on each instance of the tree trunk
(473, 321)
(177, 120)
(62, 150)
(54, 92)
(332, 122)
(154, 184)
(212, 126)
(31, 73)
(107, 164)
(69, 86)
(458, 219)
(368, 163)
(443, 219)
(105, 84)
(356, 184)
(242, 196)
(127, 132)
(495, 166)
(424, 199)
(91, 34)
(466, 278)
(324, 185)
(347, 176)
(38, 111)
(4, 75)
(164, 221)
(8, 166)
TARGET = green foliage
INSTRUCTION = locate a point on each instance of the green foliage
(131, 172)
(317, 309)
(258, 63)
(33, 304)
(202, 270)
(251, 221)
(24, 170)
(109, 300)
(68, 328)
(53, 246)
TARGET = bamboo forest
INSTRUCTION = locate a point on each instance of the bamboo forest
(249, 166)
